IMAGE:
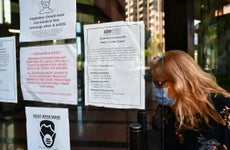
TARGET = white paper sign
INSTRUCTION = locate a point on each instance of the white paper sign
(114, 65)
(49, 74)
(47, 20)
(8, 73)
(47, 128)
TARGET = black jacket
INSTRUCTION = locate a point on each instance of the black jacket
(203, 139)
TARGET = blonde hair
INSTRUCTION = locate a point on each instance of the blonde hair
(192, 85)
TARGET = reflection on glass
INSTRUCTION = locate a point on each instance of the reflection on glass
(78, 27)
(213, 37)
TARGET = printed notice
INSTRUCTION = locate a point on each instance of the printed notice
(8, 73)
(42, 20)
(47, 128)
(114, 65)
(48, 73)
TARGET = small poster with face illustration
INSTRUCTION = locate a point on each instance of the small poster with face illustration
(42, 20)
(47, 128)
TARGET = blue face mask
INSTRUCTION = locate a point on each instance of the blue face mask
(161, 95)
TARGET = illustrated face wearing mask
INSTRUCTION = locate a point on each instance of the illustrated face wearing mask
(47, 133)
(161, 94)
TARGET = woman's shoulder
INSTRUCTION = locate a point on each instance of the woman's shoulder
(220, 97)
(220, 101)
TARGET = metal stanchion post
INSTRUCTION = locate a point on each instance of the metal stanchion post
(135, 136)
(142, 119)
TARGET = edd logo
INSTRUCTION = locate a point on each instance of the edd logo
(107, 31)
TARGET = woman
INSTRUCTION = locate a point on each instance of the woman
(196, 109)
